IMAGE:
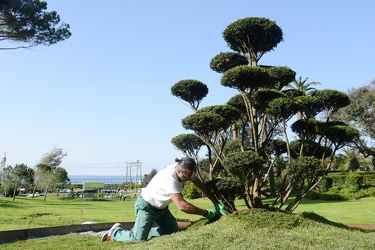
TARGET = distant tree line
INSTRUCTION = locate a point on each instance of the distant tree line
(46, 175)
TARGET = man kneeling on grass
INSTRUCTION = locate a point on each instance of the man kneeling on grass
(152, 204)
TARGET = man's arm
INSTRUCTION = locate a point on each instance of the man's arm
(185, 206)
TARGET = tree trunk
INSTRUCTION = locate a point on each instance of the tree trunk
(35, 186)
(234, 131)
(45, 192)
(257, 194)
(14, 192)
(271, 178)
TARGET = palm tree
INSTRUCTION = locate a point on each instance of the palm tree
(304, 87)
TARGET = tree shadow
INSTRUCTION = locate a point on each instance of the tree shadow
(315, 217)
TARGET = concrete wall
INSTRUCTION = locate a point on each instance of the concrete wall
(13, 235)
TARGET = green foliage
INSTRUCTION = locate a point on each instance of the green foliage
(226, 191)
(189, 144)
(254, 36)
(243, 165)
(27, 21)
(325, 184)
(235, 146)
(344, 187)
(349, 193)
(303, 86)
(309, 148)
(342, 180)
(211, 119)
(237, 102)
(333, 100)
(224, 61)
(309, 105)
(204, 123)
(190, 191)
(354, 180)
(281, 76)
(361, 112)
(190, 90)
(244, 78)
(261, 98)
(341, 134)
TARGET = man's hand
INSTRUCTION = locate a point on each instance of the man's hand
(220, 209)
(210, 215)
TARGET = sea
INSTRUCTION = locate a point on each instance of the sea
(107, 179)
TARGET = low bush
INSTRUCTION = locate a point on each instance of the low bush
(349, 193)
(190, 191)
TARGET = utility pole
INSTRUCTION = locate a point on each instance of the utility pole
(137, 166)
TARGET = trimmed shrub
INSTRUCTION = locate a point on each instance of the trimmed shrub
(325, 184)
(354, 181)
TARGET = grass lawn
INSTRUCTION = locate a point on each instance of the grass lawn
(57, 211)
(322, 227)
(251, 230)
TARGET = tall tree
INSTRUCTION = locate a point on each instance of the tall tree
(28, 24)
(361, 114)
(48, 172)
(54, 157)
(15, 177)
(262, 115)
(49, 176)
(21, 175)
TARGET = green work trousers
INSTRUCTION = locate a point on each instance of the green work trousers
(146, 216)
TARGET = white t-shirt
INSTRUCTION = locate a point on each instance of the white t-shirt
(161, 186)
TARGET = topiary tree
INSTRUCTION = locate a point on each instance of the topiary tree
(253, 37)
(245, 143)
(190, 91)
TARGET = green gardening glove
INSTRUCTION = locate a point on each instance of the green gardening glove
(220, 209)
(210, 215)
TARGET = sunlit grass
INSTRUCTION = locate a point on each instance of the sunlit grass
(56, 211)
(253, 230)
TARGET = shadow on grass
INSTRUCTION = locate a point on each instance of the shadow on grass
(315, 217)
(12, 204)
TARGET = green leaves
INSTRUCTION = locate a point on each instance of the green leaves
(253, 35)
(211, 119)
(190, 90)
(245, 78)
(29, 22)
(224, 61)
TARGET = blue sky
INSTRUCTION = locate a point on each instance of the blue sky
(104, 94)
